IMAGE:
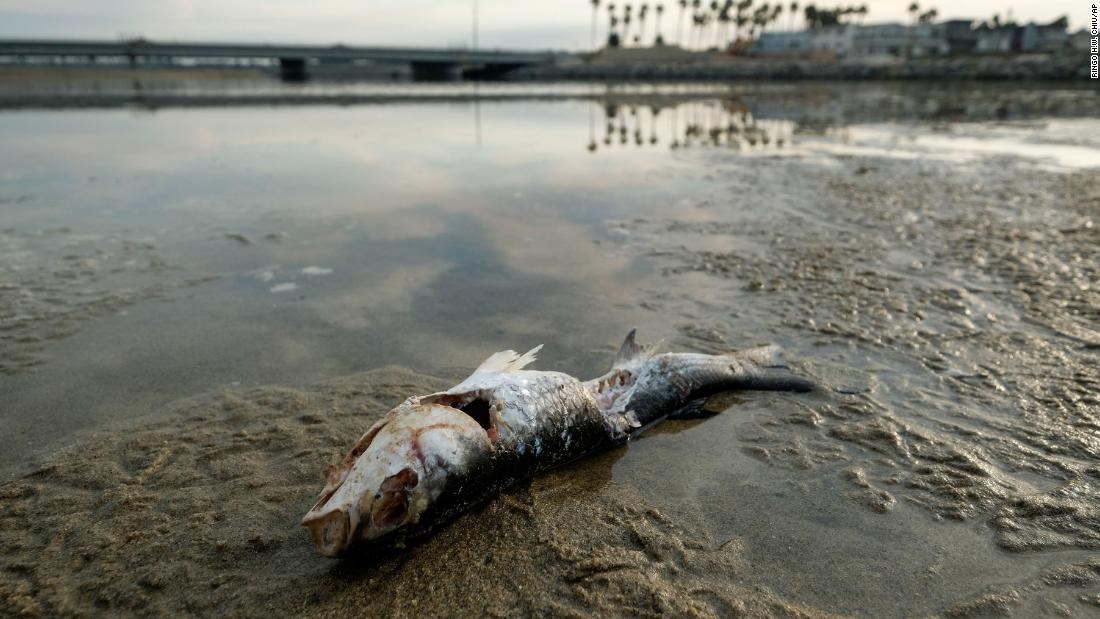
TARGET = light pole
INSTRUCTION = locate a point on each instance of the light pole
(475, 25)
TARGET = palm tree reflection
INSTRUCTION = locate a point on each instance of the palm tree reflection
(726, 123)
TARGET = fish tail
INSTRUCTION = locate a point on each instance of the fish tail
(763, 369)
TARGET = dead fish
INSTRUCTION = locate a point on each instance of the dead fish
(437, 455)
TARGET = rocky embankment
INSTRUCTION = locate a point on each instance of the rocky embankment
(682, 65)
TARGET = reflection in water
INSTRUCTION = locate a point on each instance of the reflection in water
(697, 123)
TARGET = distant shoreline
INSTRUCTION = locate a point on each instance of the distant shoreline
(873, 99)
(623, 67)
(653, 64)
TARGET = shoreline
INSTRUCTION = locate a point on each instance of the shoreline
(645, 64)
(641, 64)
(174, 90)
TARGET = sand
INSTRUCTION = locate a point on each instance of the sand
(197, 515)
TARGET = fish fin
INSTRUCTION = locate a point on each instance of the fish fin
(507, 361)
(631, 350)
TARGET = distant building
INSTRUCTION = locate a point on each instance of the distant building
(891, 39)
(1050, 37)
(1031, 37)
(928, 40)
(1081, 40)
(953, 37)
(961, 36)
(834, 41)
(997, 40)
(783, 43)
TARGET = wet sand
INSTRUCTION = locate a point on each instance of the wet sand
(198, 515)
(937, 277)
(956, 306)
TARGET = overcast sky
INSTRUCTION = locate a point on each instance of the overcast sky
(504, 23)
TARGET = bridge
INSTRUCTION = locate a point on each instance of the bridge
(294, 61)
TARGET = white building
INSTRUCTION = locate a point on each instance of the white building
(834, 41)
(783, 43)
(1050, 37)
(891, 39)
(953, 37)
(1032, 37)
(995, 40)
(929, 40)
(1081, 40)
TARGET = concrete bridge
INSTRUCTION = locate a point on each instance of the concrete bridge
(294, 61)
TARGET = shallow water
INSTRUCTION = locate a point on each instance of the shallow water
(928, 253)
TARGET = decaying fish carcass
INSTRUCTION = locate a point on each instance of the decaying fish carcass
(436, 455)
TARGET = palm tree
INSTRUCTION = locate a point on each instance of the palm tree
(595, 9)
(914, 9)
(777, 10)
(641, 21)
(763, 12)
(612, 22)
(713, 15)
(724, 19)
(791, 12)
(658, 39)
(696, 19)
(626, 24)
(680, 34)
(928, 17)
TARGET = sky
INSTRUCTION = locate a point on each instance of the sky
(517, 24)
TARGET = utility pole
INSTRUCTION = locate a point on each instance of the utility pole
(475, 25)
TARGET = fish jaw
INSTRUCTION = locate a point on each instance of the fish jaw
(403, 467)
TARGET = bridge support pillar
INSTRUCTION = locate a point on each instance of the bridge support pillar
(435, 72)
(293, 69)
(489, 72)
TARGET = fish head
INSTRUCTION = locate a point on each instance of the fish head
(394, 474)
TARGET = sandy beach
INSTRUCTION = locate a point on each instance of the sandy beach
(199, 515)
